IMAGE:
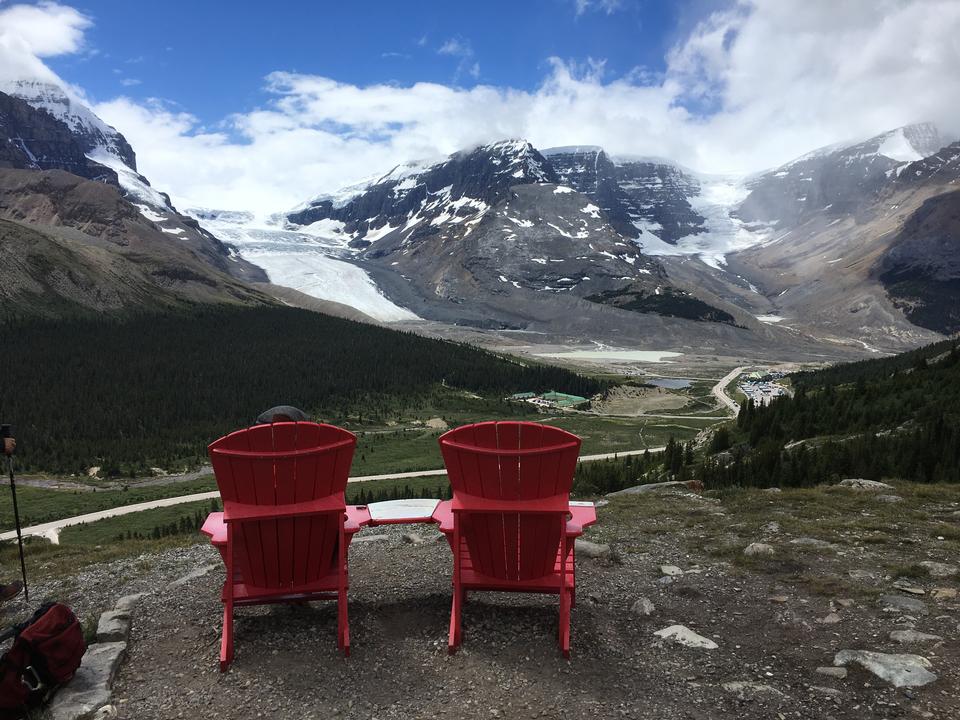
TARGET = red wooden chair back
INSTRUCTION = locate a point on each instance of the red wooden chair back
(283, 464)
(511, 484)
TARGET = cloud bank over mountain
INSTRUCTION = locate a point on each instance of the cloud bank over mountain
(752, 85)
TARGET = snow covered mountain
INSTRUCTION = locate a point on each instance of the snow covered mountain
(493, 237)
(836, 179)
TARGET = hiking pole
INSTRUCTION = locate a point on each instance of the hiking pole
(4, 434)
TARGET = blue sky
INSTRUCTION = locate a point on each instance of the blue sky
(264, 105)
(211, 61)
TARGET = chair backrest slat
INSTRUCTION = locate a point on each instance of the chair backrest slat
(291, 551)
(520, 545)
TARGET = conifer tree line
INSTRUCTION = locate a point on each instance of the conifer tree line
(894, 418)
(153, 390)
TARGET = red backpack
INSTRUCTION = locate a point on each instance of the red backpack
(46, 652)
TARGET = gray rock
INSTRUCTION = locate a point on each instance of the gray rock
(830, 619)
(811, 543)
(90, 688)
(939, 569)
(411, 538)
(643, 607)
(683, 635)
(194, 575)
(585, 548)
(829, 692)
(865, 485)
(773, 490)
(899, 670)
(370, 538)
(908, 637)
(114, 626)
(889, 498)
(107, 712)
(129, 602)
(671, 570)
(671, 486)
(749, 687)
(755, 549)
(835, 672)
(899, 603)
(908, 587)
(771, 528)
(665, 580)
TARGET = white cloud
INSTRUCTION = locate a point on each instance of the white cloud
(456, 47)
(607, 6)
(45, 29)
(748, 88)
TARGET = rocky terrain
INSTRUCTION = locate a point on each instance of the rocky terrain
(751, 604)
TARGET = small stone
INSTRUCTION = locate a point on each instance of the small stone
(671, 570)
(830, 619)
(756, 549)
(943, 593)
(585, 548)
(643, 607)
(773, 490)
(771, 528)
(811, 543)
(744, 687)
(665, 580)
(860, 484)
(683, 635)
(913, 636)
(845, 602)
(939, 569)
(898, 603)
(778, 598)
(107, 712)
(889, 498)
(907, 587)
(835, 672)
(411, 538)
(899, 670)
(370, 538)
(829, 692)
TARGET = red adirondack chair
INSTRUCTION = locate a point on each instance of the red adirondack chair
(284, 530)
(510, 523)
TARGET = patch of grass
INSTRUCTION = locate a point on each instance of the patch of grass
(909, 570)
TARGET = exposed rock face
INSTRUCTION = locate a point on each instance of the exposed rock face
(91, 132)
(835, 180)
(899, 670)
(635, 195)
(34, 139)
(921, 268)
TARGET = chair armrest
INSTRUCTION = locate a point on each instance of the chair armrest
(443, 516)
(581, 516)
(357, 517)
(216, 528)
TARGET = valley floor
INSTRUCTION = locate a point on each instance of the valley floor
(839, 560)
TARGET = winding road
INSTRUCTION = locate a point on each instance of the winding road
(51, 530)
(720, 390)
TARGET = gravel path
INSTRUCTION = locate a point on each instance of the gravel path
(771, 636)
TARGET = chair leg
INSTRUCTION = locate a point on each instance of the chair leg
(226, 642)
(456, 636)
(343, 624)
(565, 600)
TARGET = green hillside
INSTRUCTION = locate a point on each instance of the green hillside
(153, 390)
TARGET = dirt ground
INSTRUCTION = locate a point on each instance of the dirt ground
(635, 401)
(770, 617)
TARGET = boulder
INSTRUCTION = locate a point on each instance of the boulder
(899, 670)
(865, 485)
(114, 626)
(899, 603)
(910, 637)
(585, 548)
(756, 549)
(939, 569)
(643, 607)
(683, 635)
(129, 602)
(90, 688)
(671, 570)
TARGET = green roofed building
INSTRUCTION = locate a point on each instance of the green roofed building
(562, 399)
